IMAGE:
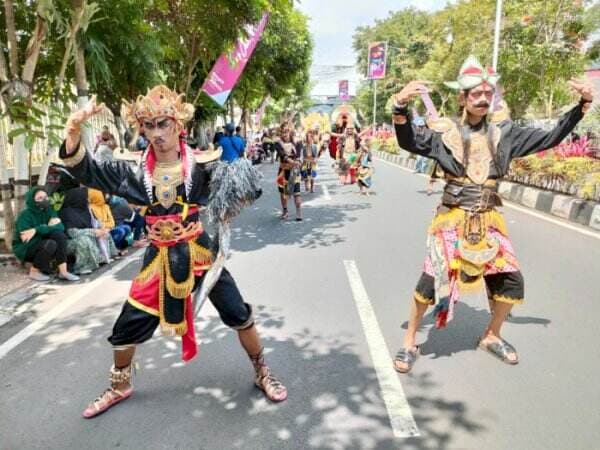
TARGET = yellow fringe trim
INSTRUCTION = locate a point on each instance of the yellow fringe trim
(182, 289)
(143, 307)
(200, 258)
(505, 299)
(200, 255)
(455, 217)
(422, 299)
(75, 158)
(150, 271)
(166, 328)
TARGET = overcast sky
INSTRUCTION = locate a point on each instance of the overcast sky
(332, 24)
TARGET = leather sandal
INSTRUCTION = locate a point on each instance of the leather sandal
(501, 350)
(406, 356)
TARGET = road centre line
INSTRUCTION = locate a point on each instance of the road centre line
(401, 418)
(514, 206)
(39, 323)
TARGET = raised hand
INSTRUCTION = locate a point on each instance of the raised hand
(76, 119)
(583, 88)
(410, 91)
(81, 115)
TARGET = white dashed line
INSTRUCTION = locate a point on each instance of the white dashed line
(401, 418)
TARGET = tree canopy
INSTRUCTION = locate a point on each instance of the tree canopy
(541, 47)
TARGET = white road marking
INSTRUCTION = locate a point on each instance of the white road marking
(401, 418)
(39, 323)
(326, 195)
(509, 204)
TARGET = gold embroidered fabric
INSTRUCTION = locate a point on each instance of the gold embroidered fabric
(480, 155)
(75, 158)
(166, 178)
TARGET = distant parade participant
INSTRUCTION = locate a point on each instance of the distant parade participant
(288, 176)
(347, 156)
(310, 156)
(468, 241)
(365, 168)
(173, 184)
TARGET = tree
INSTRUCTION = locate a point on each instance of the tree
(409, 46)
(16, 88)
(123, 53)
(280, 64)
(540, 49)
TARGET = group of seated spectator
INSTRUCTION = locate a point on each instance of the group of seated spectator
(89, 229)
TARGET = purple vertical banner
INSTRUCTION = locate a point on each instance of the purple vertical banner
(228, 68)
(344, 90)
(377, 59)
(261, 110)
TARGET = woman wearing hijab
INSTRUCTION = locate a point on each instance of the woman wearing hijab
(101, 212)
(77, 219)
(39, 238)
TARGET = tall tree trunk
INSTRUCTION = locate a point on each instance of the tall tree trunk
(21, 154)
(82, 92)
(232, 110)
(11, 33)
(5, 191)
(3, 68)
(78, 10)
(119, 125)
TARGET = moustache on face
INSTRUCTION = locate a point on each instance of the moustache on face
(482, 105)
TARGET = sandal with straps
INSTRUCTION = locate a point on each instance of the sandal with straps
(102, 403)
(501, 350)
(111, 396)
(406, 356)
(273, 389)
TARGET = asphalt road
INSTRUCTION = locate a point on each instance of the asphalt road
(331, 296)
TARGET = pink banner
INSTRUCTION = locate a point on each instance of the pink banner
(377, 60)
(344, 90)
(228, 68)
(261, 110)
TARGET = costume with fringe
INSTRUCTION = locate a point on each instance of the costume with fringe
(467, 242)
(289, 175)
(181, 254)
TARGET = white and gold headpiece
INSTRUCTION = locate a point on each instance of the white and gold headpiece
(159, 101)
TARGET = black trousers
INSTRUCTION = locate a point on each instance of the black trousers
(135, 326)
(51, 250)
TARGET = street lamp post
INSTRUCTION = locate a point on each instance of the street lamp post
(374, 104)
(497, 34)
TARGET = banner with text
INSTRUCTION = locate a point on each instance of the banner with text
(228, 68)
(377, 60)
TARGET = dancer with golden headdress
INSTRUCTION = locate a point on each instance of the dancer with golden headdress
(173, 184)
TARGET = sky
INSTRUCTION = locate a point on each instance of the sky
(332, 24)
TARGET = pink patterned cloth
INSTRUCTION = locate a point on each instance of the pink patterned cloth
(506, 254)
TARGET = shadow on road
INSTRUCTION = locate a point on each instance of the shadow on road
(453, 338)
(334, 401)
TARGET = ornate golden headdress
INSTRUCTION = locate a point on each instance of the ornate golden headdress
(159, 101)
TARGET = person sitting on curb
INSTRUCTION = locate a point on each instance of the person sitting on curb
(39, 238)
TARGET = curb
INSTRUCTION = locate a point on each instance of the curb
(579, 211)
